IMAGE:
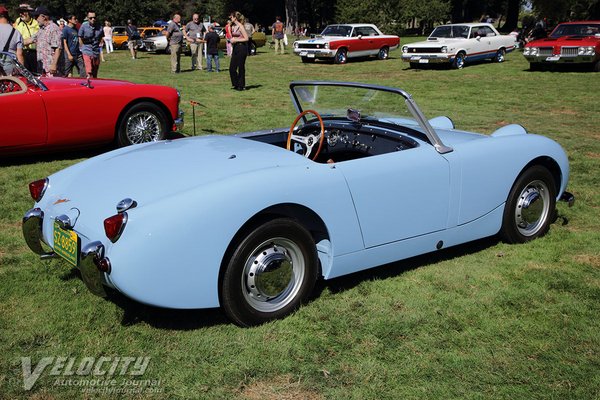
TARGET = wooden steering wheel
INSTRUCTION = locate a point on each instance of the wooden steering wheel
(310, 140)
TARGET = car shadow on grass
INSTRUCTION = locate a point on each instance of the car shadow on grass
(55, 156)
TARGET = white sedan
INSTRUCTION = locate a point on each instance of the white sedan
(457, 44)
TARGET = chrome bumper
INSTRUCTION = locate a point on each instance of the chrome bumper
(428, 58)
(178, 123)
(317, 53)
(561, 59)
(91, 254)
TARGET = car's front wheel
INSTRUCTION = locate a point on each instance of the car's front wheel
(143, 122)
(341, 57)
(271, 272)
(459, 61)
(530, 206)
(383, 53)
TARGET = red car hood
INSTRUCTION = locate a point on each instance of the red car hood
(566, 41)
(66, 83)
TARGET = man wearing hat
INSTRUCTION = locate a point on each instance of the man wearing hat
(28, 28)
(10, 38)
(48, 42)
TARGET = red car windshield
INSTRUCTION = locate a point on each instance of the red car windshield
(576, 30)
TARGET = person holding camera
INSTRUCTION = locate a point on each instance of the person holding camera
(90, 35)
(239, 40)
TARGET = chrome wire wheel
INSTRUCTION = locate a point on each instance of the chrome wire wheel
(273, 274)
(142, 127)
(533, 208)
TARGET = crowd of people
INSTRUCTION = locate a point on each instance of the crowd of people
(67, 47)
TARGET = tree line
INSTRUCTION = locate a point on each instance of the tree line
(392, 16)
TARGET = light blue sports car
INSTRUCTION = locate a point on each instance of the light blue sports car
(250, 222)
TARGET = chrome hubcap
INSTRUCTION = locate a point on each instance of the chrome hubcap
(383, 54)
(273, 275)
(500, 56)
(342, 57)
(533, 208)
(143, 127)
(460, 61)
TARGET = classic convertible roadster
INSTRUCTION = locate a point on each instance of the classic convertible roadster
(47, 114)
(250, 222)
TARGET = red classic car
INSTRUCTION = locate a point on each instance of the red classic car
(41, 114)
(569, 42)
(340, 42)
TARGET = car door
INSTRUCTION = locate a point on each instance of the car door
(399, 195)
(482, 41)
(365, 41)
(25, 122)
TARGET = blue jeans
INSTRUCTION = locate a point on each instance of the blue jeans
(209, 58)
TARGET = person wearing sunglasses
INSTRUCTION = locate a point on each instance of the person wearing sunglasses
(90, 35)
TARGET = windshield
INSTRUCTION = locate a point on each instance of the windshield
(361, 102)
(450, 31)
(576, 30)
(371, 102)
(9, 66)
(337, 30)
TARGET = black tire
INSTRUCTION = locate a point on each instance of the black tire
(459, 61)
(596, 66)
(341, 57)
(414, 65)
(143, 122)
(271, 272)
(383, 53)
(307, 60)
(530, 207)
(500, 56)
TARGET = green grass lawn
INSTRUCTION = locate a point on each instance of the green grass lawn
(484, 320)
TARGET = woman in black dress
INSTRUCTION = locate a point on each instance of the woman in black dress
(239, 40)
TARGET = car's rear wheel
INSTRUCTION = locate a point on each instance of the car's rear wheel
(341, 57)
(384, 53)
(459, 61)
(530, 206)
(500, 56)
(142, 122)
(308, 60)
(271, 272)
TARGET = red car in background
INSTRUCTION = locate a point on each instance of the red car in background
(343, 41)
(41, 114)
(569, 43)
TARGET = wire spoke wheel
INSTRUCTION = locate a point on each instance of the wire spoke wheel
(143, 127)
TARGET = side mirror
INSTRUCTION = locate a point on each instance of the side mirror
(360, 36)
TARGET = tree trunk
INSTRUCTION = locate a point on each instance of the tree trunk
(291, 16)
(512, 16)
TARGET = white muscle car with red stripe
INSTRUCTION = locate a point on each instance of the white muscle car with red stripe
(457, 44)
(343, 41)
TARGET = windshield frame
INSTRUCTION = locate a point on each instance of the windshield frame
(21, 70)
(432, 136)
(349, 27)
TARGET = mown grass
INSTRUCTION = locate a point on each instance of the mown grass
(484, 320)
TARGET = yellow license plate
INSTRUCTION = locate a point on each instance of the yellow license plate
(66, 244)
